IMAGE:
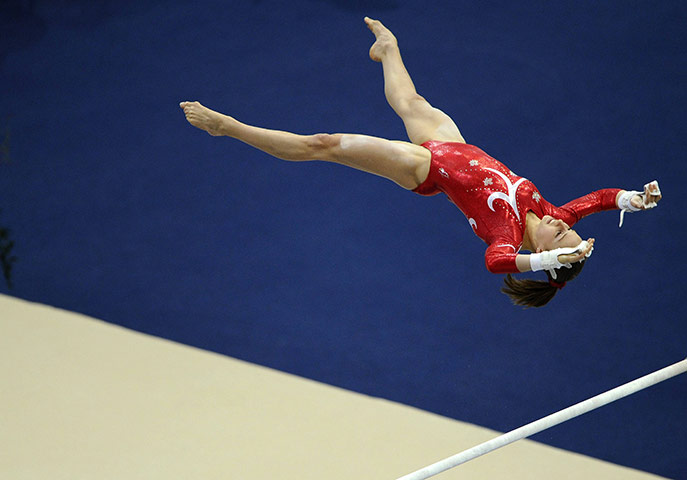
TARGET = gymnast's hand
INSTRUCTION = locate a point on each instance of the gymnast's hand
(652, 195)
(578, 256)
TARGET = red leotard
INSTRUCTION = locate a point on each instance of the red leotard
(496, 201)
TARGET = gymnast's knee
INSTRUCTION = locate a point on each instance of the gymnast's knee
(323, 141)
(322, 145)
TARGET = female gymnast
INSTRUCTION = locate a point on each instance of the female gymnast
(503, 209)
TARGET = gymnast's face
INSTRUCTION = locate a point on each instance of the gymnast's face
(554, 233)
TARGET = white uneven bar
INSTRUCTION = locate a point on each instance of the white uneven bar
(550, 421)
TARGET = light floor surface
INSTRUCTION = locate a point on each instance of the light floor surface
(84, 399)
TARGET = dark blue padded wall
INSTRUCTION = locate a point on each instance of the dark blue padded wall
(121, 210)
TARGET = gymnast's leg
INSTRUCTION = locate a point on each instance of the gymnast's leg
(422, 121)
(402, 162)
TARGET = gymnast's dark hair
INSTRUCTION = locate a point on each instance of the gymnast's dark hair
(535, 293)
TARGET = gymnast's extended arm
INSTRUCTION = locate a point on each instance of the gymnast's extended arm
(609, 199)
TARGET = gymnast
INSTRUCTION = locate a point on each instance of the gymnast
(506, 211)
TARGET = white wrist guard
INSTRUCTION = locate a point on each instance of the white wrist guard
(625, 200)
(549, 260)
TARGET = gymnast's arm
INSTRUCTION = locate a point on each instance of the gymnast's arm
(502, 259)
(594, 202)
(610, 199)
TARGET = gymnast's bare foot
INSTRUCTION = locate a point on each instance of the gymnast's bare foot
(385, 39)
(202, 117)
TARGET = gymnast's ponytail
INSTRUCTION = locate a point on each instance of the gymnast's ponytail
(535, 293)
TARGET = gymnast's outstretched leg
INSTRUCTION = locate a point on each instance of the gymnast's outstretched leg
(422, 121)
(402, 162)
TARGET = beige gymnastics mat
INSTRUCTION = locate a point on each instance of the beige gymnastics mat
(83, 399)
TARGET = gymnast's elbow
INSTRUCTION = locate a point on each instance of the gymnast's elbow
(500, 265)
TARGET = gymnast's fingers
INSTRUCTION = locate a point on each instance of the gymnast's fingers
(652, 194)
(570, 258)
(578, 256)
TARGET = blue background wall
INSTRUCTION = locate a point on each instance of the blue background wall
(121, 210)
